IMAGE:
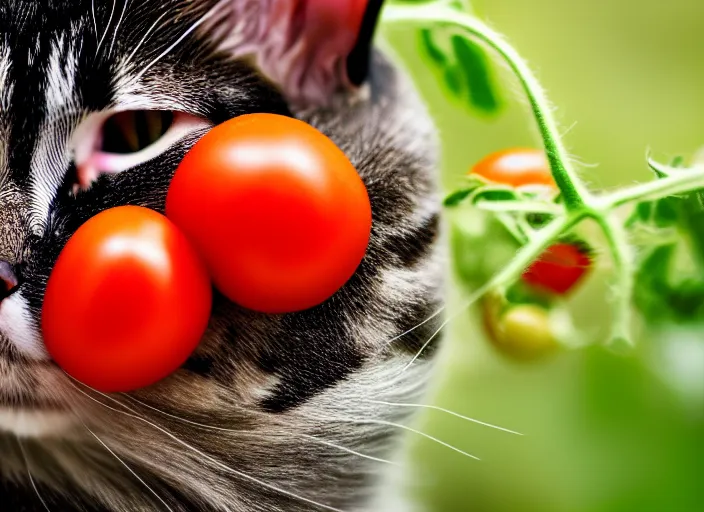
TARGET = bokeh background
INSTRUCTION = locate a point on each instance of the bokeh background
(603, 432)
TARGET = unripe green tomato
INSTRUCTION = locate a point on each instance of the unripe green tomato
(521, 332)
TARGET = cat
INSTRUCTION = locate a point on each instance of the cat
(99, 102)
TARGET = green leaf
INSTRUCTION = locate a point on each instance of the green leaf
(520, 293)
(494, 194)
(660, 170)
(650, 294)
(435, 53)
(474, 63)
(667, 212)
(458, 196)
(538, 220)
(641, 214)
(453, 80)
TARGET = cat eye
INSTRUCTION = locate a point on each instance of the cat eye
(134, 130)
(108, 143)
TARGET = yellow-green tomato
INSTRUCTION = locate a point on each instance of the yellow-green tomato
(520, 332)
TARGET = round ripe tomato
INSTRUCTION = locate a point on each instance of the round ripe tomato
(517, 167)
(127, 301)
(521, 332)
(278, 212)
(559, 269)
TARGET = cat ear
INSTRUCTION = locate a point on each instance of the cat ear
(309, 48)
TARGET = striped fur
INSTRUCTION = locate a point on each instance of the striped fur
(288, 402)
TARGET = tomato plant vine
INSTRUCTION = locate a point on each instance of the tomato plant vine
(575, 202)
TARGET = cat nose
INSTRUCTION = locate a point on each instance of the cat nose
(8, 280)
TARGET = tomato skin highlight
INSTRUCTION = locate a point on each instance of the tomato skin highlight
(559, 269)
(278, 212)
(516, 167)
(127, 301)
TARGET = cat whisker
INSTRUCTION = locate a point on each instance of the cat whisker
(145, 484)
(95, 21)
(202, 454)
(425, 345)
(112, 13)
(128, 61)
(349, 450)
(438, 312)
(190, 30)
(443, 410)
(29, 474)
(478, 294)
(258, 435)
(117, 27)
(342, 419)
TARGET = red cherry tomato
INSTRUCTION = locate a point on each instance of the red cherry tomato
(127, 302)
(516, 167)
(277, 210)
(559, 268)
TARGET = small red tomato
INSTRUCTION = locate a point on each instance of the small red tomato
(127, 301)
(516, 167)
(559, 268)
(277, 210)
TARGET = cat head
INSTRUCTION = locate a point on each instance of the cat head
(99, 102)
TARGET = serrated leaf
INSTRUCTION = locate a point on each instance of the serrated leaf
(458, 196)
(481, 90)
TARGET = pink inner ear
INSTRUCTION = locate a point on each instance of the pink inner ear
(302, 45)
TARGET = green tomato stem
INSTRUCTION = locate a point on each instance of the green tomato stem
(433, 14)
(520, 206)
(525, 256)
(684, 181)
(622, 255)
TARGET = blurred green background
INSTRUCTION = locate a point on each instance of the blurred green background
(602, 432)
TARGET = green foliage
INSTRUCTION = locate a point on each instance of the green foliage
(670, 266)
(669, 206)
(463, 65)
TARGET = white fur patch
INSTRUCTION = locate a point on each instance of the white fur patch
(60, 79)
(5, 86)
(26, 423)
(17, 326)
(5, 97)
(50, 160)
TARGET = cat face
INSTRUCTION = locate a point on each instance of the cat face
(99, 102)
